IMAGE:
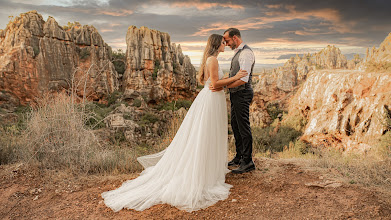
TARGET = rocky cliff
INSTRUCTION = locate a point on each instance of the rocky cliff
(379, 59)
(277, 87)
(344, 108)
(38, 56)
(156, 69)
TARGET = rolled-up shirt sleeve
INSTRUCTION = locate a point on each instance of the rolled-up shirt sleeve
(246, 60)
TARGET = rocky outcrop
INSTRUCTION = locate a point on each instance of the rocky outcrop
(278, 86)
(355, 63)
(329, 58)
(157, 68)
(142, 126)
(347, 109)
(297, 68)
(379, 59)
(38, 56)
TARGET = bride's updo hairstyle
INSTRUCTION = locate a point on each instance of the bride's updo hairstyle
(212, 46)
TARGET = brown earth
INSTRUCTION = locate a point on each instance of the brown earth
(277, 189)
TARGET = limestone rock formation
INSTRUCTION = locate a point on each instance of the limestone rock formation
(379, 59)
(346, 106)
(38, 56)
(279, 85)
(355, 63)
(330, 58)
(157, 68)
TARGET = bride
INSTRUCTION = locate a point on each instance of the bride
(190, 172)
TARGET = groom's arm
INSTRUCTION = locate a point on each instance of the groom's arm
(236, 84)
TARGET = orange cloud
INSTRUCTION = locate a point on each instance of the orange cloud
(119, 13)
(205, 5)
(332, 16)
(114, 25)
(106, 30)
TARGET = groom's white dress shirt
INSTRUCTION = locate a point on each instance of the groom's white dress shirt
(246, 60)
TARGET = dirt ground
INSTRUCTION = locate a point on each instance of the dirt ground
(277, 189)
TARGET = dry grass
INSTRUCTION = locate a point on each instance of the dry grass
(370, 169)
(57, 137)
(171, 131)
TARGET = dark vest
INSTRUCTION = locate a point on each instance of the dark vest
(235, 67)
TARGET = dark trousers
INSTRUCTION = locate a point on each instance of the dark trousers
(240, 122)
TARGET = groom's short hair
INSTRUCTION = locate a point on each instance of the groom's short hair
(232, 32)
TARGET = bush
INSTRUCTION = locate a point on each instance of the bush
(36, 51)
(380, 66)
(118, 58)
(175, 105)
(137, 103)
(268, 139)
(118, 137)
(149, 118)
(9, 144)
(56, 137)
(273, 109)
(84, 53)
(156, 69)
(96, 113)
(294, 120)
(112, 98)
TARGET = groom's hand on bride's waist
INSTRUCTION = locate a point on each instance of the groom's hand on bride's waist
(213, 89)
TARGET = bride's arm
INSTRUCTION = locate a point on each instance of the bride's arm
(213, 69)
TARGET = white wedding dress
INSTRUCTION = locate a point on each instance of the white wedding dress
(190, 172)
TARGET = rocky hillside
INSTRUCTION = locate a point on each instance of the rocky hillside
(274, 89)
(347, 108)
(38, 56)
(156, 69)
(344, 108)
(379, 59)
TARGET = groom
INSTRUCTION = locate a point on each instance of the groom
(241, 95)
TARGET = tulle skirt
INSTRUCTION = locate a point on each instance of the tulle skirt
(190, 172)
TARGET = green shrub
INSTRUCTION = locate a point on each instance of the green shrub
(175, 105)
(36, 51)
(118, 58)
(84, 53)
(70, 25)
(154, 75)
(294, 120)
(97, 112)
(149, 118)
(118, 137)
(9, 144)
(137, 103)
(156, 69)
(273, 109)
(266, 139)
(380, 66)
(112, 98)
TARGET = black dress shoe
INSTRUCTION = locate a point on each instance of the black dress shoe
(234, 162)
(244, 167)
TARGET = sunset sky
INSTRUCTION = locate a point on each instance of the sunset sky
(275, 29)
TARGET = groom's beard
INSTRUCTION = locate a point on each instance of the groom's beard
(233, 46)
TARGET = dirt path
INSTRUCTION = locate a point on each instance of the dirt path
(278, 189)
